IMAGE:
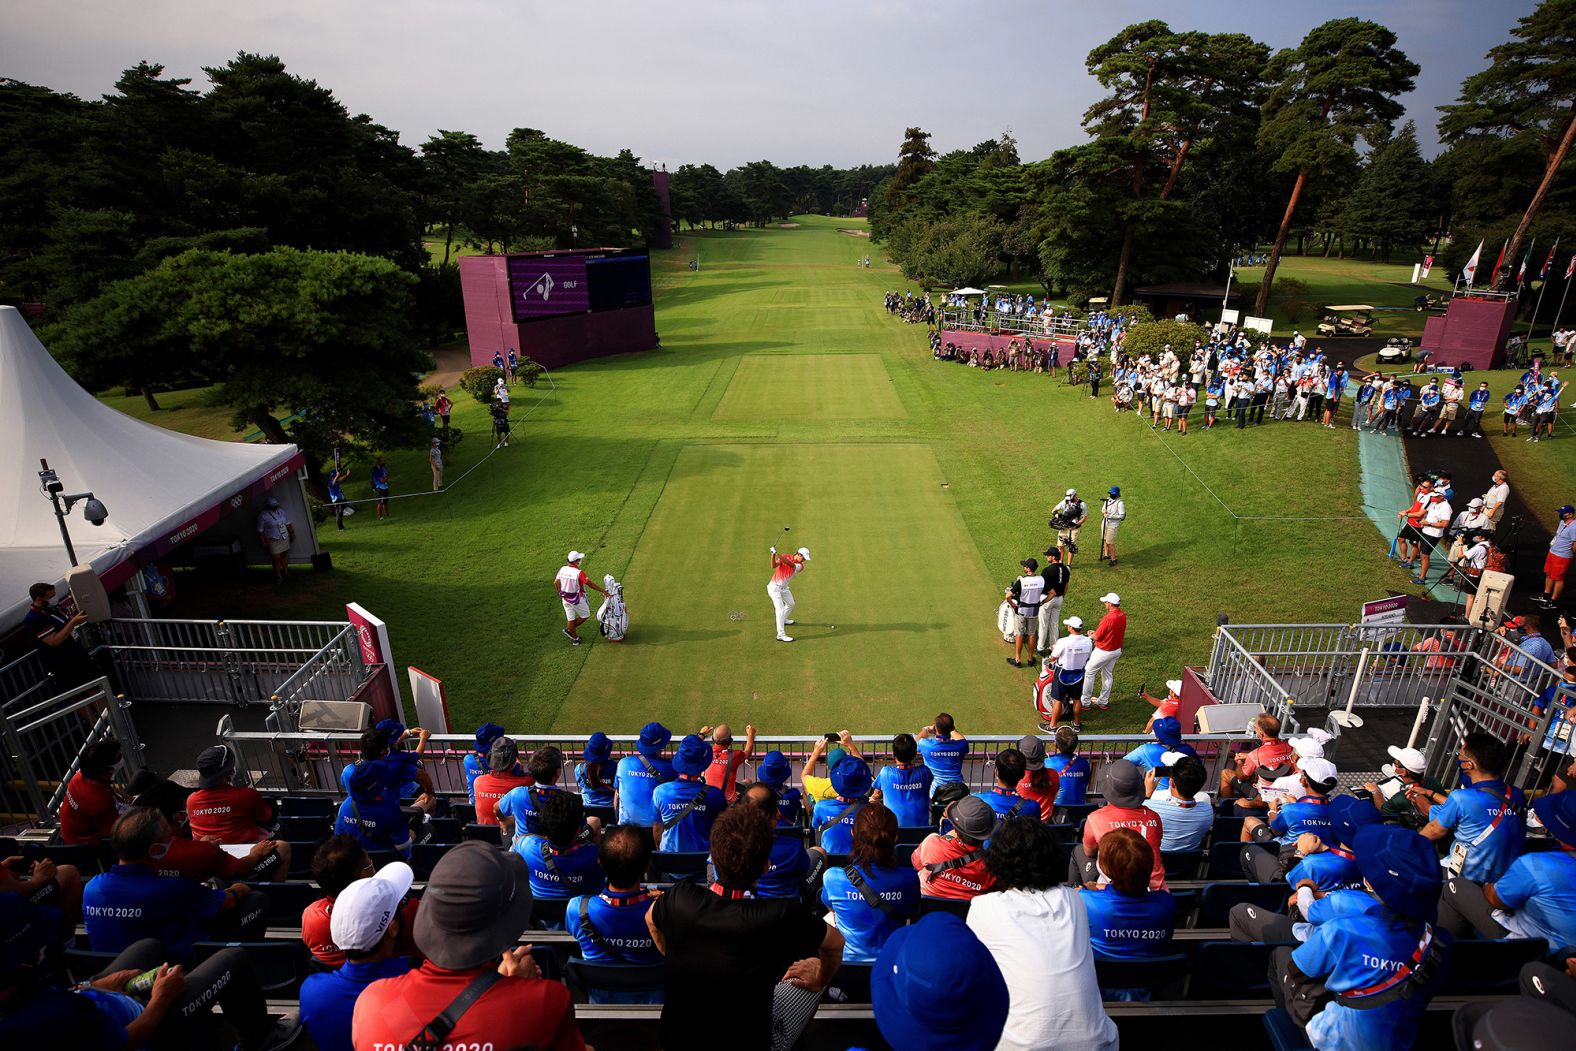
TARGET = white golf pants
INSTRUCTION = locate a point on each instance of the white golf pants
(1050, 623)
(782, 601)
(1100, 674)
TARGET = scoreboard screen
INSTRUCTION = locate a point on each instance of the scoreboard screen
(619, 281)
(544, 286)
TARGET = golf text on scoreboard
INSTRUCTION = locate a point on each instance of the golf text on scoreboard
(556, 284)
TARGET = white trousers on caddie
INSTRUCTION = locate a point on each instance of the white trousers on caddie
(1050, 623)
(782, 601)
(1100, 673)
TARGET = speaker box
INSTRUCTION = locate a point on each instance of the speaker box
(350, 716)
(87, 591)
(1227, 718)
(1488, 609)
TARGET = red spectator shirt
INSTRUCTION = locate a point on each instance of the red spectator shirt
(316, 920)
(198, 860)
(965, 881)
(1141, 818)
(516, 1012)
(1273, 752)
(492, 787)
(1108, 634)
(724, 769)
(89, 811)
(1046, 796)
(228, 814)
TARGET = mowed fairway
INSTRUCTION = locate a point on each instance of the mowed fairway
(885, 542)
(809, 387)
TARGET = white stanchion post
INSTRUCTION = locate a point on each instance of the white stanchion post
(1417, 724)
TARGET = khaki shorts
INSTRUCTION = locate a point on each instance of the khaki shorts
(577, 610)
(1028, 626)
(1450, 408)
(279, 547)
(1108, 531)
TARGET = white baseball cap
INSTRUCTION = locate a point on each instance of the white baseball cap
(805, 552)
(1072, 492)
(1074, 622)
(1112, 597)
(1476, 501)
(1174, 685)
(1170, 758)
(363, 911)
(1306, 747)
(1317, 769)
(1410, 758)
(575, 556)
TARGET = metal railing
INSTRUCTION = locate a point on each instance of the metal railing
(1497, 693)
(44, 742)
(311, 763)
(330, 674)
(963, 319)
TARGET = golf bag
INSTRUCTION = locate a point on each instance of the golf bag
(1006, 622)
(611, 616)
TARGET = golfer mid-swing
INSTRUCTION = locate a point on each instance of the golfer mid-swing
(783, 569)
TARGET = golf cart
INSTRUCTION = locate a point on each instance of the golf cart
(1347, 320)
(1396, 350)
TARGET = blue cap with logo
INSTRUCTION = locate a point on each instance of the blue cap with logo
(692, 756)
(393, 727)
(935, 986)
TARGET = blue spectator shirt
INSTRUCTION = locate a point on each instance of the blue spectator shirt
(131, 902)
(865, 927)
(1073, 770)
(945, 759)
(1557, 738)
(1332, 869)
(475, 766)
(61, 1018)
(377, 824)
(619, 918)
(1147, 757)
(693, 833)
(635, 782)
(1478, 401)
(519, 804)
(905, 790)
(1003, 801)
(838, 817)
(1129, 926)
(328, 1000)
(589, 795)
(1304, 814)
(1541, 889)
(558, 873)
(786, 869)
(1564, 541)
(1359, 952)
(1429, 397)
(1470, 812)
(380, 479)
(1183, 823)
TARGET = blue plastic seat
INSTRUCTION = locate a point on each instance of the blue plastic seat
(424, 856)
(442, 830)
(1227, 970)
(959, 907)
(914, 833)
(279, 965)
(1215, 905)
(1182, 864)
(287, 899)
(315, 828)
(308, 806)
(301, 853)
(486, 833)
(1149, 974)
(1479, 967)
(1284, 1034)
(595, 981)
(1225, 860)
(676, 865)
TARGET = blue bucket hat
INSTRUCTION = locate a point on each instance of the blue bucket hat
(935, 986)
(1349, 816)
(1558, 814)
(1402, 868)
(393, 727)
(851, 778)
(1168, 731)
(486, 734)
(692, 756)
(598, 748)
(774, 769)
(654, 737)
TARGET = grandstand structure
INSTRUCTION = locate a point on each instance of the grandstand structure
(170, 688)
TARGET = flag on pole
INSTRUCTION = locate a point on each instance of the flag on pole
(1428, 264)
(1498, 262)
(1548, 264)
(1470, 270)
(1569, 270)
(1526, 261)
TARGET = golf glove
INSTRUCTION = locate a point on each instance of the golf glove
(774, 549)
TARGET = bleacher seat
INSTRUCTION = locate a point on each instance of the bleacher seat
(1152, 974)
(1226, 970)
(1284, 1034)
(8, 847)
(1225, 860)
(315, 828)
(287, 900)
(308, 806)
(423, 856)
(853, 978)
(1066, 834)
(1226, 829)
(85, 964)
(903, 854)
(464, 813)
(675, 865)
(590, 979)
(547, 914)
(606, 814)
(1485, 967)
(486, 833)
(90, 860)
(837, 861)
(1215, 904)
(442, 830)
(1181, 864)
(280, 965)
(1076, 812)
(914, 833)
(959, 907)
(383, 857)
(301, 852)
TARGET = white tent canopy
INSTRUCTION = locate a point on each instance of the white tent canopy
(968, 292)
(160, 488)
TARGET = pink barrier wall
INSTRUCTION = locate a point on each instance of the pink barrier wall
(998, 342)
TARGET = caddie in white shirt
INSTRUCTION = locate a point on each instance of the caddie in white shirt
(1112, 512)
(572, 583)
(780, 588)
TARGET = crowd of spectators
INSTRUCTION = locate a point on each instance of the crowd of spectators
(794, 882)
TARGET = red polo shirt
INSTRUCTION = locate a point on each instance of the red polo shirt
(492, 787)
(516, 1012)
(724, 769)
(1108, 634)
(228, 814)
(1045, 796)
(88, 812)
(965, 881)
(1273, 752)
(199, 860)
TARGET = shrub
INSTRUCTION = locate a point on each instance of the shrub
(1150, 337)
(479, 382)
(528, 370)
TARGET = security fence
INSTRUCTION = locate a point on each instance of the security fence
(312, 763)
(44, 737)
(1472, 679)
(964, 319)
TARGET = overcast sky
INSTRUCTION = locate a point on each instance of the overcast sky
(723, 82)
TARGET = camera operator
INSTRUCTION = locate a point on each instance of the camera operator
(1066, 518)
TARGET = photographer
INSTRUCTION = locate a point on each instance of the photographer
(1066, 519)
